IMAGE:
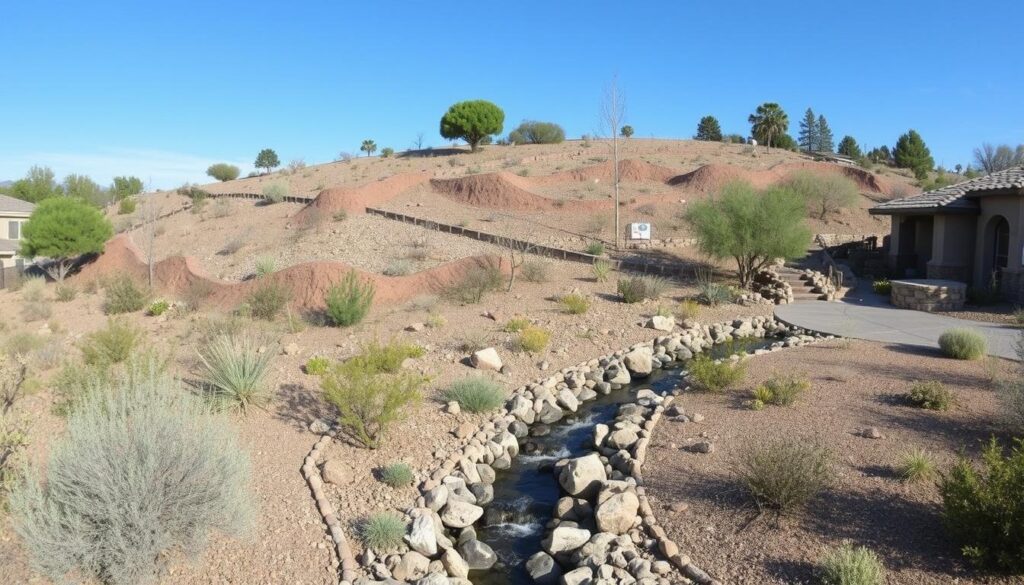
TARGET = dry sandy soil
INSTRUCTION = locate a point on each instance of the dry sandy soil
(854, 386)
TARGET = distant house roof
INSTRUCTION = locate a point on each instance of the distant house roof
(10, 204)
(958, 198)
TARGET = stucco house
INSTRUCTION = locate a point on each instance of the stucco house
(972, 232)
(13, 213)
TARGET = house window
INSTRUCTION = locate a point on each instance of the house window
(13, 230)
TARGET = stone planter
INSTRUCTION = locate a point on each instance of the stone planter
(929, 295)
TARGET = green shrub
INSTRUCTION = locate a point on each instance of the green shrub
(714, 294)
(317, 365)
(782, 390)
(688, 309)
(127, 206)
(852, 566)
(595, 249)
(234, 371)
(476, 283)
(783, 474)
(157, 308)
(113, 344)
(601, 268)
(475, 394)
(516, 324)
(265, 265)
(882, 286)
(533, 132)
(65, 293)
(396, 475)
(711, 376)
(931, 395)
(983, 508)
(105, 507)
(388, 357)
(382, 532)
(917, 465)
(533, 339)
(387, 152)
(368, 400)
(349, 301)
(267, 300)
(33, 288)
(637, 288)
(399, 268)
(123, 296)
(963, 344)
(575, 304)
(223, 172)
(536, 271)
(275, 192)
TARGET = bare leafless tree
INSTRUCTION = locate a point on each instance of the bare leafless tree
(612, 115)
(998, 158)
(150, 216)
(418, 143)
(517, 251)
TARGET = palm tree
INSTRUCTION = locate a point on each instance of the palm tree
(768, 122)
(369, 147)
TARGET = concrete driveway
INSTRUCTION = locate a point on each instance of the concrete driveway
(864, 315)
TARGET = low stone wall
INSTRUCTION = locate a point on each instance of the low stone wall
(929, 295)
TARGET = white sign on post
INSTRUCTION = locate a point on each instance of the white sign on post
(640, 231)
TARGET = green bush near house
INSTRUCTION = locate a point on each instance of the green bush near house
(847, 565)
(122, 295)
(113, 344)
(932, 395)
(783, 474)
(963, 344)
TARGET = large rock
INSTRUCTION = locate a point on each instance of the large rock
(336, 472)
(543, 569)
(639, 362)
(434, 579)
(455, 564)
(583, 476)
(486, 359)
(549, 414)
(422, 536)
(661, 323)
(568, 400)
(412, 567)
(458, 514)
(580, 576)
(478, 556)
(617, 513)
(622, 438)
(565, 539)
(436, 498)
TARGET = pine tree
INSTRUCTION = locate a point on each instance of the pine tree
(808, 137)
(826, 142)
(709, 129)
(849, 147)
(911, 153)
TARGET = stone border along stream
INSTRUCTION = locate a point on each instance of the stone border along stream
(606, 483)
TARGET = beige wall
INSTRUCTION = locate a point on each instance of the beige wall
(953, 247)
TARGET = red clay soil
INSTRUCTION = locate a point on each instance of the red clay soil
(499, 190)
(631, 170)
(357, 199)
(710, 178)
(308, 283)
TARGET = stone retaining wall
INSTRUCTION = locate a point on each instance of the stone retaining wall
(929, 295)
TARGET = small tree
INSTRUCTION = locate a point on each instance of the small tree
(912, 153)
(709, 129)
(768, 123)
(880, 155)
(532, 132)
(387, 152)
(124, 187)
(823, 194)
(472, 121)
(849, 147)
(37, 185)
(418, 143)
(826, 142)
(808, 136)
(62, 229)
(223, 172)
(369, 147)
(627, 131)
(84, 188)
(613, 112)
(751, 228)
(267, 160)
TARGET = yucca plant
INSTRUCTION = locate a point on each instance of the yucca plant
(234, 370)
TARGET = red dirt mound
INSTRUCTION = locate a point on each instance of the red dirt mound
(632, 170)
(710, 178)
(493, 190)
(308, 282)
(357, 199)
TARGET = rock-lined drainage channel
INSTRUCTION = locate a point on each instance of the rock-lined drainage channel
(590, 526)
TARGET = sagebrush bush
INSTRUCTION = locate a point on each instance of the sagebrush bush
(516, 324)
(396, 474)
(65, 292)
(916, 465)
(122, 295)
(476, 283)
(575, 304)
(234, 371)
(475, 394)
(708, 375)
(275, 192)
(847, 565)
(144, 470)
(983, 508)
(782, 390)
(267, 300)
(533, 339)
(348, 302)
(963, 344)
(113, 344)
(595, 249)
(382, 532)
(932, 395)
(369, 400)
(783, 474)
(157, 308)
(536, 271)
(317, 365)
(601, 269)
(639, 288)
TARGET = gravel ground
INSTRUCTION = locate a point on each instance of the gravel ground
(703, 508)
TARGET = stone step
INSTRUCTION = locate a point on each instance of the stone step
(806, 296)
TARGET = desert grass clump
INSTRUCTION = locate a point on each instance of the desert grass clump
(575, 304)
(65, 293)
(782, 390)
(595, 249)
(399, 268)
(475, 284)
(688, 309)
(983, 509)
(39, 310)
(916, 465)
(783, 474)
(33, 289)
(932, 395)
(348, 302)
(536, 271)
(710, 376)
(144, 470)
(533, 339)
(601, 269)
(317, 365)
(847, 565)
(267, 300)
(638, 288)
(396, 474)
(382, 532)
(113, 344)
(122, 295)
(387, 357)
(475, 394)
(234, 371)
(963, 344)
(265, 265)
(516, 324)
(435, 320)
(157, 308)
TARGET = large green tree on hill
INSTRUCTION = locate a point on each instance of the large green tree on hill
(768, 123)
(808, 136)
(267, 160)
(126, 187)
(533, 132)
(849, 147)
(61, 229)
(708, 129)
(223, 172)
(912, 153)
(471, 121)
(826, 141)
(749, 227)
(37, 185)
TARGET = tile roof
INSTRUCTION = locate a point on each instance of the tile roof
(15, 205)
(958, 196)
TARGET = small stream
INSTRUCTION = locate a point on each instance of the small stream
(525, 494)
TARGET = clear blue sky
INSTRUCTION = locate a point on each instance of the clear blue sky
(162, 89)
